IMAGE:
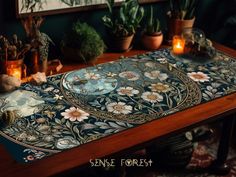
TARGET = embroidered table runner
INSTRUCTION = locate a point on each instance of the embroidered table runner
(84, 105)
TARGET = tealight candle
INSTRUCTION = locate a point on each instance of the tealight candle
(14, 70)
(178, 44)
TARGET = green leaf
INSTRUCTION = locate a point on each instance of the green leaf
(110, 5)
(122, 15)
(68, 124)
(140, 14)
(58, 121)
(76, 130)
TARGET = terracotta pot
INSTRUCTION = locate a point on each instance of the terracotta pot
(121, 44)
(152, 42)
(177, 26)
(72, 54)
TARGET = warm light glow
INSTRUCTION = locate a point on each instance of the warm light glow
(178, 44)
(15, 71)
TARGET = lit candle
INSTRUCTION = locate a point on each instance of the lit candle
(178, 44)
(14, 71)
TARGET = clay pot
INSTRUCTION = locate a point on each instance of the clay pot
(121, 44)
(152, 42)
(176, 26)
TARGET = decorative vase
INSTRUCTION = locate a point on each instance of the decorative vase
(176, 26)
(152, 42)
(121, 44)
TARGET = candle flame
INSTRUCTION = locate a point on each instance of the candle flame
(178, 45)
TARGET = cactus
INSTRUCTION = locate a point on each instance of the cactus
(126, 21)
(182, 9)
(153, 25)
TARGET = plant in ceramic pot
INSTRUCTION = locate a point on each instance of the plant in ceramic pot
(122, 24)
(181, 15)
(82, 43)
(152, 36)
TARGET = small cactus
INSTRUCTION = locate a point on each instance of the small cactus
(153, 25)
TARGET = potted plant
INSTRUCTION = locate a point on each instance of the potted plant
(12, 54)
(39, 41)
(82, 43)
(152, 36)
(181, 15)
(122, 24)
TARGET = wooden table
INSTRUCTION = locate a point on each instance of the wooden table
(133, 138)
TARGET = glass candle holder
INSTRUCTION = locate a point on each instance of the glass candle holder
(178, 44)
(14, 68)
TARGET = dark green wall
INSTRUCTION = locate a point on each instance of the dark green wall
(211, 17)
(57, 25)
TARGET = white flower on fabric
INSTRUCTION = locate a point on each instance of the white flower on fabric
(150, 64)
(49, 89)
(119, 108)
(129, 91)
(159, 87)
(92, 76)
(152, 97)
(162, 60)
(212, 91)
(156, 74)
(58, 97)
(223, 71)
(110, 74)
(130, 75)
(198, 76)
(75, 114)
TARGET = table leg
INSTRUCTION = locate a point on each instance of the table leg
(219, 166)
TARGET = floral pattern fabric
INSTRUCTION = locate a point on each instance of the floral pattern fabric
(81, 106)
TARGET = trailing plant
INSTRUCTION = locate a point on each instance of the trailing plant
(12, 49)
(84, 38)
(126, 20)
(153, 25)
(182, 9)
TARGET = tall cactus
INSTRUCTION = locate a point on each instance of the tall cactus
(182, 9)
(153, 25)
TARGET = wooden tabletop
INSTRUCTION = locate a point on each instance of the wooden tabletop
(120, 142)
